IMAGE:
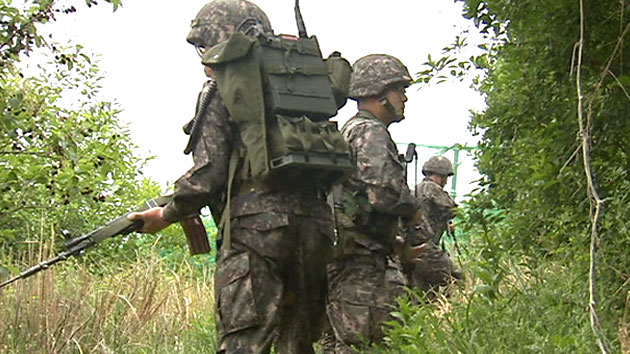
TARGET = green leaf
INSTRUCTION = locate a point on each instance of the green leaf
(624, 80)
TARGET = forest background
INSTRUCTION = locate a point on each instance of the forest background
(546, 258)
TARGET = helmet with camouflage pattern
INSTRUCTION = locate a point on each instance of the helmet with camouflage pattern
(374, 73)
(218, 19)
(439, 165)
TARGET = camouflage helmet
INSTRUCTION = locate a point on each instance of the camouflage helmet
(439, 165)
(374, 73)
(218, 19)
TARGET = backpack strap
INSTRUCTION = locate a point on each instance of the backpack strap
(237, 70)
(334, 197)
(225, 222)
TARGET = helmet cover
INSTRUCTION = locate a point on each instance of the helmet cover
(218, 19)
(374, 73)
(439, 165)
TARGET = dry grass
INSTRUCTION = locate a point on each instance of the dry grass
(144, 309)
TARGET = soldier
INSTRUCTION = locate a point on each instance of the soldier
(435, 267)
(271, 282)
(368, 207)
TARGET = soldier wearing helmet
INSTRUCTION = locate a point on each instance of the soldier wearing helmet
(435, 268)
(218, 19)
(383, 79)
(369, 206)
(438, 169)
(270, 282)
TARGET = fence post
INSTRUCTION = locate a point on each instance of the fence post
(455, 163)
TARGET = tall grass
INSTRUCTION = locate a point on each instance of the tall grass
(142, 307)
(514, 309)
(508, 304)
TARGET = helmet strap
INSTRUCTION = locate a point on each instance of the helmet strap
(390, 108)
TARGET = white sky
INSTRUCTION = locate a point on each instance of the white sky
(155, 75)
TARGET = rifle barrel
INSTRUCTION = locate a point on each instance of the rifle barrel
(118, 226)
(44, 265)
(9, 281)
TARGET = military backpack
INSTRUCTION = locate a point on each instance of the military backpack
(280, 92)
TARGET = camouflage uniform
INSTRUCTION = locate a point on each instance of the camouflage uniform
(367, 213)
(364, 278)
(436, 267)
(271, 283)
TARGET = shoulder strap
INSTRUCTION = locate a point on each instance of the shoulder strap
(236, 64)
(225, 224)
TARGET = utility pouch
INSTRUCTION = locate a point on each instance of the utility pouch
(339, 71)
(295, 77)
(308, 149)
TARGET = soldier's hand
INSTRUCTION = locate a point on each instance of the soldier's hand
(152, 219)
(412, 254)
(407, 253)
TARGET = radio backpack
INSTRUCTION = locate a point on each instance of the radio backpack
(280, 93)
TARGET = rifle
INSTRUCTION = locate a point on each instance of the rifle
(451, 233)
(193, 227)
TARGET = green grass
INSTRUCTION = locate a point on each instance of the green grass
(529, 311)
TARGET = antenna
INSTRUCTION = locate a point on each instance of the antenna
(411, 152)
(299, 20)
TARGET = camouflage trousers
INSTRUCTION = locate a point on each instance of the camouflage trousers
(435, 269)
(361, 295)
(271, 284)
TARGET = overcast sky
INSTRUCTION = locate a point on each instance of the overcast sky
(154, 74)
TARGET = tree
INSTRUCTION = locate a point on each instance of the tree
(548, 267)
(67, 162)
(552, 152)
(19, 34)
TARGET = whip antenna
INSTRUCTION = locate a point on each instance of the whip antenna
(299, 20)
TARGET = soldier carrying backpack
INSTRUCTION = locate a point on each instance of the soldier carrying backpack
(265, 157)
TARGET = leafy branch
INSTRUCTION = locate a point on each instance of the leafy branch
(18, 33)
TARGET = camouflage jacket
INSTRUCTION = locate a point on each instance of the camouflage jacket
(376, 195)
(205, 184)
(437, 205)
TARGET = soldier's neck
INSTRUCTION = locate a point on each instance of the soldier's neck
(374, 106)
(437, 179)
